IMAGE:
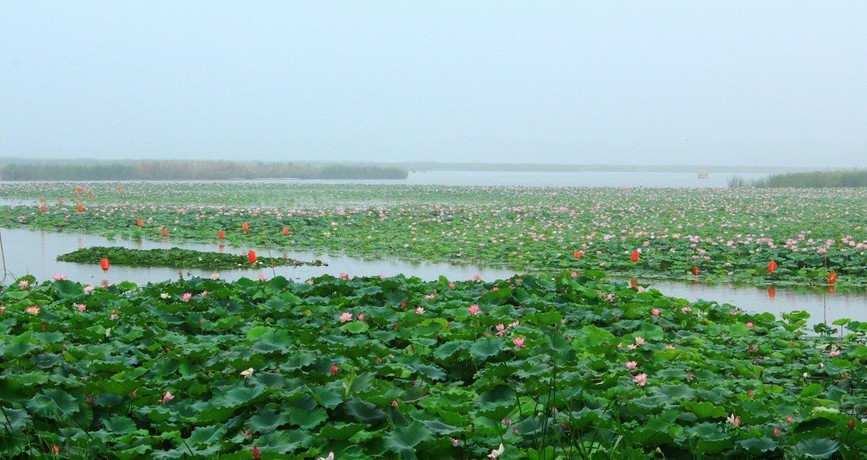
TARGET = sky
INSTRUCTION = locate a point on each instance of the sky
(755, 83)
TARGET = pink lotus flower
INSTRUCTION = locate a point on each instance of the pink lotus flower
(495, 453)
(167, 397)
(655, 312)
(346, 317)
(751, 326)
(88, 289)
(23, 284)
(686, 309)
(834, 353)
(186, 297)
(33, 310)
(631, 364)
(419, 310)
(475, 310)
(81, 307)
(640, 379)
(734, 420)
(59, 276)
(519, 342)
(262, 277)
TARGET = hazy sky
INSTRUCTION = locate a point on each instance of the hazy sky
(692, 82)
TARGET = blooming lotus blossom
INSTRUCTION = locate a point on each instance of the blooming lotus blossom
(495, 453)
(640, 379)
(23, 284)
(33, 310)
(655, 312)
(834, 353)
(419, 310)
(734, 420)
(475, 310)
(519, 342)
(167, 397)
(246, 373)
(262, 277)
(186, 297)
(346, 317)
(88, 289)
(81, 307)
(330, 456)
(631, 364)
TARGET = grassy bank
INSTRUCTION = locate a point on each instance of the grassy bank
(815, 179)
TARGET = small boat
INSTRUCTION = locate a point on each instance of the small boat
(703, 174)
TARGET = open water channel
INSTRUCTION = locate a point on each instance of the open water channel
(34, 253)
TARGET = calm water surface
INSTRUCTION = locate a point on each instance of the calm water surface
(34, 253)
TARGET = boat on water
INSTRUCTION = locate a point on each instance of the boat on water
(703, 174)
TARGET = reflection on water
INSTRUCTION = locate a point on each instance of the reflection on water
(822, 304)
(34, 253)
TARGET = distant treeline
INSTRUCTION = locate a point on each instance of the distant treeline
(192, 170)
(816, 179)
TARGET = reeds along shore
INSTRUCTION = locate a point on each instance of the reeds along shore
(193, 170)
(815, 179)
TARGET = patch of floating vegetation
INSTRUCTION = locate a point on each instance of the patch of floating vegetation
(177, 258)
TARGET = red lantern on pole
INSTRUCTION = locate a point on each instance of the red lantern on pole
(772, 266)
(138, 223)
(694, 270)
(244, 227)
(578, 255)
(634, 256)
(221, 234)
(165, 231)
(103, 264)
(80, 208)
(832, 278)
(285, 231)
(252, 256)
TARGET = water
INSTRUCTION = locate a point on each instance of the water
(34, 253)
(561, 179)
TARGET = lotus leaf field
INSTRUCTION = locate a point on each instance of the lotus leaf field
(722, 235)
(550, 367)
(176, 258)
(559, 363)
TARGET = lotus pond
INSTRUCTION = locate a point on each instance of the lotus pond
(709, 235)
(569, 367)
(559, 363)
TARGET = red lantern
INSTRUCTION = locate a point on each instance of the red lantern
(285, 231)
(103, 264)
(578, 255)
(832, 278)
(79, 189)
(252, 256)
(772, 266)
(80, 208)
(43, 208)
(165, 231)
(221, 234)
(634, 256)
(138, 223)
(244, 227)
(694, 270)
(633, 283)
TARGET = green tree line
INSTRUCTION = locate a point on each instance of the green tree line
(192, 170)
(815, 179)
